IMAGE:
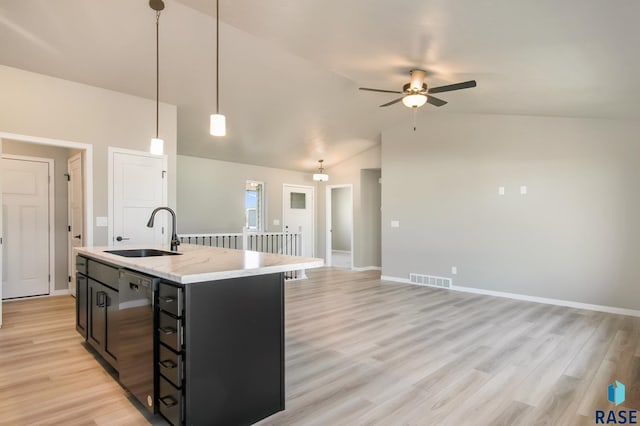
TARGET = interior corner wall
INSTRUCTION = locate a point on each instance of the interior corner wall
(371, 215)
(341, 218)
(211, 194)
(42, 106)
(573, 236)
(61, 243)
(348, 172)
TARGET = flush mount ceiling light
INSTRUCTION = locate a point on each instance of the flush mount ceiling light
(157, 144)
(321, 177)
(218, 126)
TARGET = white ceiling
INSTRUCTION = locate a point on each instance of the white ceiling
(290, 69)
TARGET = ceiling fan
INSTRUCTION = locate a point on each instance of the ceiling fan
(416, 93)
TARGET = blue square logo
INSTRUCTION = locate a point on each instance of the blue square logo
(615, 393)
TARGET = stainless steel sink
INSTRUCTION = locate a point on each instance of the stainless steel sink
(142, 252)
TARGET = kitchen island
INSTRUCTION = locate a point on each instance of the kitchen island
(197, 336)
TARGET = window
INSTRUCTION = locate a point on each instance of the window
(298, 200)
(254, 205)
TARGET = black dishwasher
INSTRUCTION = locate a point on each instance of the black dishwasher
(137, 360)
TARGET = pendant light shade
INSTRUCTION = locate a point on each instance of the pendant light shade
(218, 122)
(321, 177)
(218, 125)
(157, 144)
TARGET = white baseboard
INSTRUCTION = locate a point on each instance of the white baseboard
(536, 299)
(366, 268)
(55, 293)
(395, 279)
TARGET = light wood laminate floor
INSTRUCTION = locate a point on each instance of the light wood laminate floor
(362, 352)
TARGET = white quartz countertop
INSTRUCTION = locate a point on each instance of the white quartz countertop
(201, 263)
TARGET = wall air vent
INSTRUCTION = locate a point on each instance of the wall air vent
(430, 280)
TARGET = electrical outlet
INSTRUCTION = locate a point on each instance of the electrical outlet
(454, 270)
(276, 222)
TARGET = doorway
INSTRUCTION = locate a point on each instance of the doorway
(35, 143)
(27, 204)
(298, 214)
(339, 238)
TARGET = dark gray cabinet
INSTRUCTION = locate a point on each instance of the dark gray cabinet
(221, 350)
(217, 353)
(97, 307)
(81, 304)
(102, 329)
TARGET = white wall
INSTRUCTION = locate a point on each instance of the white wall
(38, 105)
(371, 216)
(341, 212)
(574, 236)
(348, 172)
(211, 194)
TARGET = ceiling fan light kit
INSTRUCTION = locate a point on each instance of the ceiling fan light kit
(157, 144)
(217, 121)
(320, 177)
(414, 101)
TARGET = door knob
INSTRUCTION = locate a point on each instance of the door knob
(77, 236)
(119, 238)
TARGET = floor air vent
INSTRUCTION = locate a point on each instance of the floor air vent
(430, 280)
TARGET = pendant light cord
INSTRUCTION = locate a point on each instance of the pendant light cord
(157, 71)
(217, 57)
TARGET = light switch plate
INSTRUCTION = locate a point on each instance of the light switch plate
(101, 222)
(523, 190)
(276, 222)
(395, 224)
(501, 190)
(454, 270)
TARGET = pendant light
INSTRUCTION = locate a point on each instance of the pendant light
(321, 177)
(157, 144)
(218, 125)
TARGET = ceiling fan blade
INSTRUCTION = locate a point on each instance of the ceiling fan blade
(451, 87)
(378, 90)
(435, 101)
(395, 101)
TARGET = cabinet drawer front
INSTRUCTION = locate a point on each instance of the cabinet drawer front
(170, 331)
(170, 402)
(170, 366)
(170, 299)
(81, 265)
(107, 275)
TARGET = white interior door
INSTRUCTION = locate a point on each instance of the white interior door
(75, 188)
(297, 214)
(139, 185)
(25, 216)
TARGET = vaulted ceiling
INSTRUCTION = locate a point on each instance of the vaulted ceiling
(290, 69)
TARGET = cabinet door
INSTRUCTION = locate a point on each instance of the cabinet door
(96, 327)
(81, 305)
(111, 340)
